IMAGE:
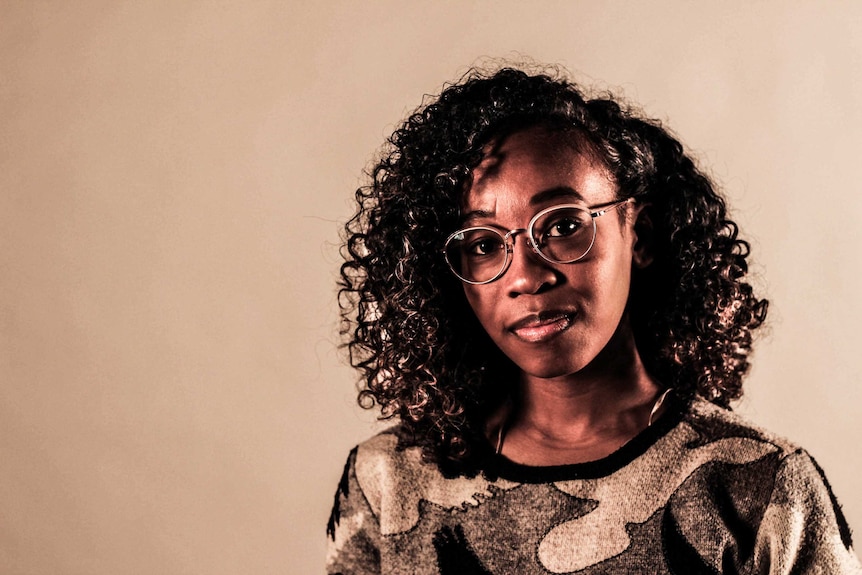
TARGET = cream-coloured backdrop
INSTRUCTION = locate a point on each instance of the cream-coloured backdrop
(172, 177)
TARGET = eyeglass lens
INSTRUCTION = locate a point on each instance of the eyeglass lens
(561, 235)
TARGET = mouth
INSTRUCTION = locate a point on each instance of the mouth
(537, 328)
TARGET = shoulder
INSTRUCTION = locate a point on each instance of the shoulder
(398, 482)
(379, 447)
(382, 463)
(709, 443)
(737, 482)
(386, 469)
(718, 458)
(714, 435)
(391, 477)
(795, 479)
(707, 423)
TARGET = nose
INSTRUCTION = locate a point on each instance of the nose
(528, 272)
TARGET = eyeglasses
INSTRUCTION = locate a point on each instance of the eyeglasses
(560, 234)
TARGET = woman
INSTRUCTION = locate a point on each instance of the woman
(550, 298)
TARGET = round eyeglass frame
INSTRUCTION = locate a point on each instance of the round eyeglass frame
(509, 242)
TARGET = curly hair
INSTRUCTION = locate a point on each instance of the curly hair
(422, 354)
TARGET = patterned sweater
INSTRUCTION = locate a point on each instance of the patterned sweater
(699, 492)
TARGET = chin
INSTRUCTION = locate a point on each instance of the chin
(562, 356)
(551, 372)
(552, 365)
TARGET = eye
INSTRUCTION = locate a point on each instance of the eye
(485, 245)
(562, 227)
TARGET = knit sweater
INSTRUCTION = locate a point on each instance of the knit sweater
(699, 492)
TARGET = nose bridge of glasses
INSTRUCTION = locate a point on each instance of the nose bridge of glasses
(528, 241)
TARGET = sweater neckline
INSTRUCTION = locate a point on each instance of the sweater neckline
(498, 465)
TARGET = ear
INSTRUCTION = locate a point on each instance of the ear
(644, 237)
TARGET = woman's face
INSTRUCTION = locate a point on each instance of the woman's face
(551, 320)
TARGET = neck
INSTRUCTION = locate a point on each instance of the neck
(583, 402)
(582, 416)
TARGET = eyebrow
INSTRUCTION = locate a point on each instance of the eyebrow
(538, 199)
(555, 193)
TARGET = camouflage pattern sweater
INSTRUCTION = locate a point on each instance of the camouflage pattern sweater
(699, 492)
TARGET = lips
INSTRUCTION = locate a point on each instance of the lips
(537, 328)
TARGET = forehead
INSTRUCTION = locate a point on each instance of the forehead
(538, 167)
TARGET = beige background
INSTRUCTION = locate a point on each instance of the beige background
(172, 179)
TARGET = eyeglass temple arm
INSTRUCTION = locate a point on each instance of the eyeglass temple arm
(608, 207)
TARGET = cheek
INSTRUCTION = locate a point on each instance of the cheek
(602, 285)
(613, 285)
(489, 306)
(480, 302)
